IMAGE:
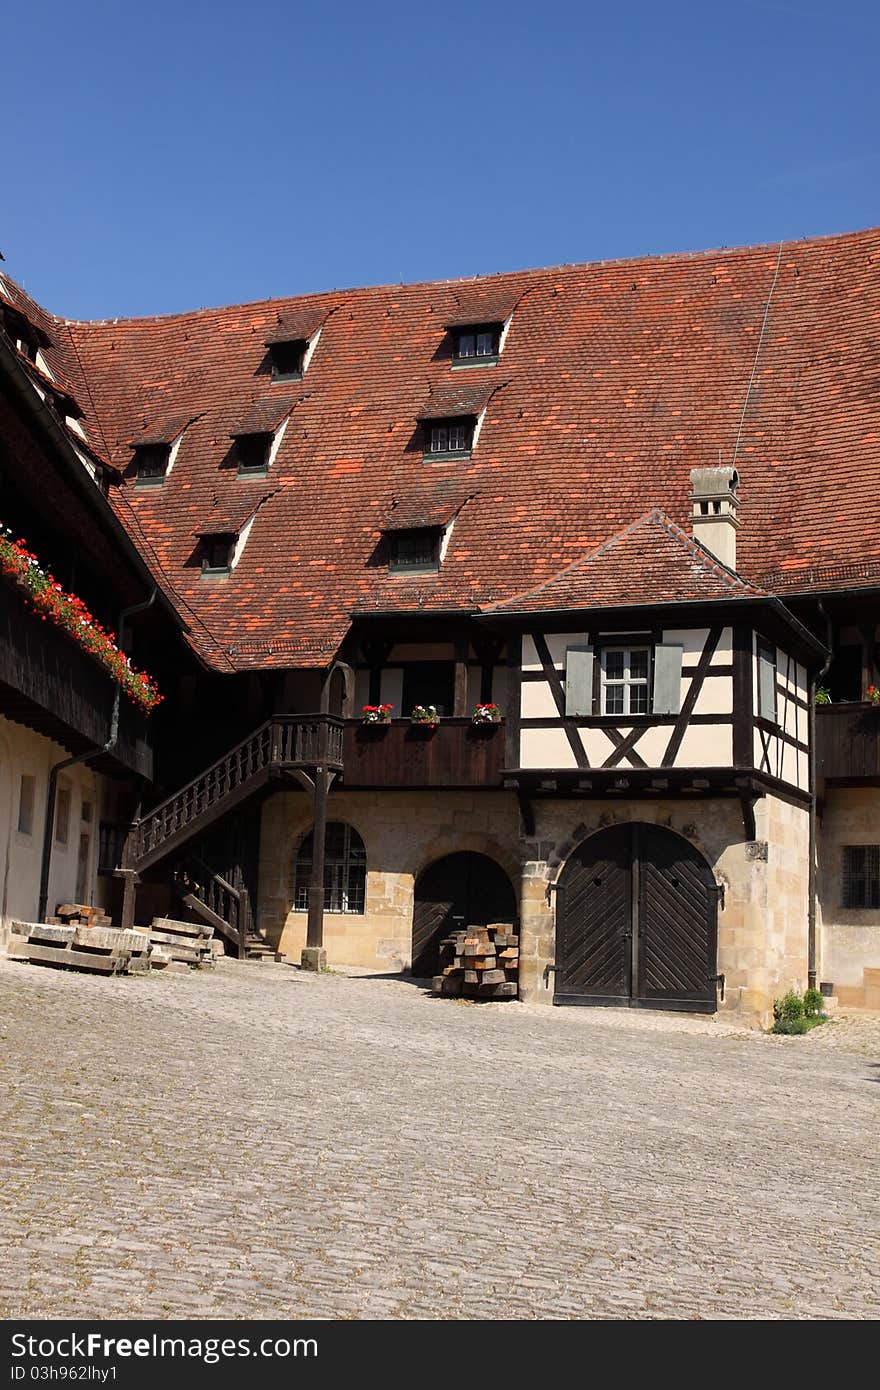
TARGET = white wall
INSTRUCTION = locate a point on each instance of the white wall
(22, 751)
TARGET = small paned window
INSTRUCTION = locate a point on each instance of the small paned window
(217, 554)
(625, 672)
(345, 870)
(861, 876)
(151, 462)
(287, 360)
(62, 816)
(477, 344)
(450, 438)
(253, 453)
(27, 794)
(414, 551)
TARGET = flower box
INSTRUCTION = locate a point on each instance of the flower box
(486, 714)
(425, 716)
(65, 611)
(376, 714)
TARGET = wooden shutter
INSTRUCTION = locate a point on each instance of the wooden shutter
(667, 678)
(767, 681)
(579, 680)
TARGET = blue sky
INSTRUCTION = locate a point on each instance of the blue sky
(175, 155)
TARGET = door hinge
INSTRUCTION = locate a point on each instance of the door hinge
(719, 982)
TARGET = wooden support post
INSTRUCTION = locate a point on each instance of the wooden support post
(314, 956)
(869, 665)
(130, 881)
(462, 647)
(243, 922)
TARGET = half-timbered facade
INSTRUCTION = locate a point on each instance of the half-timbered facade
(610, 531)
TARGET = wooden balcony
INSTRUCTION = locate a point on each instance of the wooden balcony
(49, 684)
(848, 744)
(400, 754)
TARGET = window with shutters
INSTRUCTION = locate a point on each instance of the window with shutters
(625, 673)
(345, 870)
(766, 680)
(861, 876)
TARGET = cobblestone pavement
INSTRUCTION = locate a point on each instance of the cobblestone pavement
(254, 1142)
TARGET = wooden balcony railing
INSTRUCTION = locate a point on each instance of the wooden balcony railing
(400, 754)
(848, 743)
(284, 743)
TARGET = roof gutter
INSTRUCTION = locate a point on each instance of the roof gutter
(47, 423)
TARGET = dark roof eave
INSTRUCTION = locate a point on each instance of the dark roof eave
(47, 423)
(523, 617)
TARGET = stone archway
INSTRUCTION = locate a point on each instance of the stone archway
(637, 922)
(460, 890)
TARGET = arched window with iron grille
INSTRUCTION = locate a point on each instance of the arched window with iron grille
(345, 870)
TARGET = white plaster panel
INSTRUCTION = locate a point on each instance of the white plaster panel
(803, 726)
(537, 701)
(545, 748)
(706, 745)
(556, 645)
(693, 639)
(597, 745)
(716, 696)
(653, 744)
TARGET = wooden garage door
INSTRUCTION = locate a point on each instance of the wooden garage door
(461, 890)
(636, 922)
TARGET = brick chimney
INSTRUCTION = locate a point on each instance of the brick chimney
(714, 506)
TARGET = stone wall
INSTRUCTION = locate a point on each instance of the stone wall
(762, 937)
(849, 937)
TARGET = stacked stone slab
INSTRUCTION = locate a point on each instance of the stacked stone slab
(188, 943)
(479, 963)
(105, 950)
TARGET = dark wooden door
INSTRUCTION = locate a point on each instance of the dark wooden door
(594, 920)
(636, 922)
(461, 890)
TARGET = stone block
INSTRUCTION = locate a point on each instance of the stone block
(313, 958)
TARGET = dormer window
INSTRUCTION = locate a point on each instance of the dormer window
(217, 553)
(151, 463)
(414, 552)
(258, 437)
(476, 345)
(286, 360)
(450, 439)
(252, 451)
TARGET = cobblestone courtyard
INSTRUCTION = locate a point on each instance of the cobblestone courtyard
(253, 1142)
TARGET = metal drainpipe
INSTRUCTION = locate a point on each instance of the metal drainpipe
(49, 822)
(811, 906)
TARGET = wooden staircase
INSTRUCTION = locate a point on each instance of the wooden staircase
(284, 748)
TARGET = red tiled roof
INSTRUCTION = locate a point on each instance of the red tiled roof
(620, 378)
(295, 326)
(163, 430)
(264, 416)
(488, 302)
(232, 510)
(653, 561)
(450, 401)
(432, 504)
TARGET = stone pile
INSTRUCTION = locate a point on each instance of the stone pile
(71, 914)
(179, 943)
(107, 950)
(479, 963)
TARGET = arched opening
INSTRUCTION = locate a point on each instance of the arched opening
(345, 870)
(637, 922)
(460, 890)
